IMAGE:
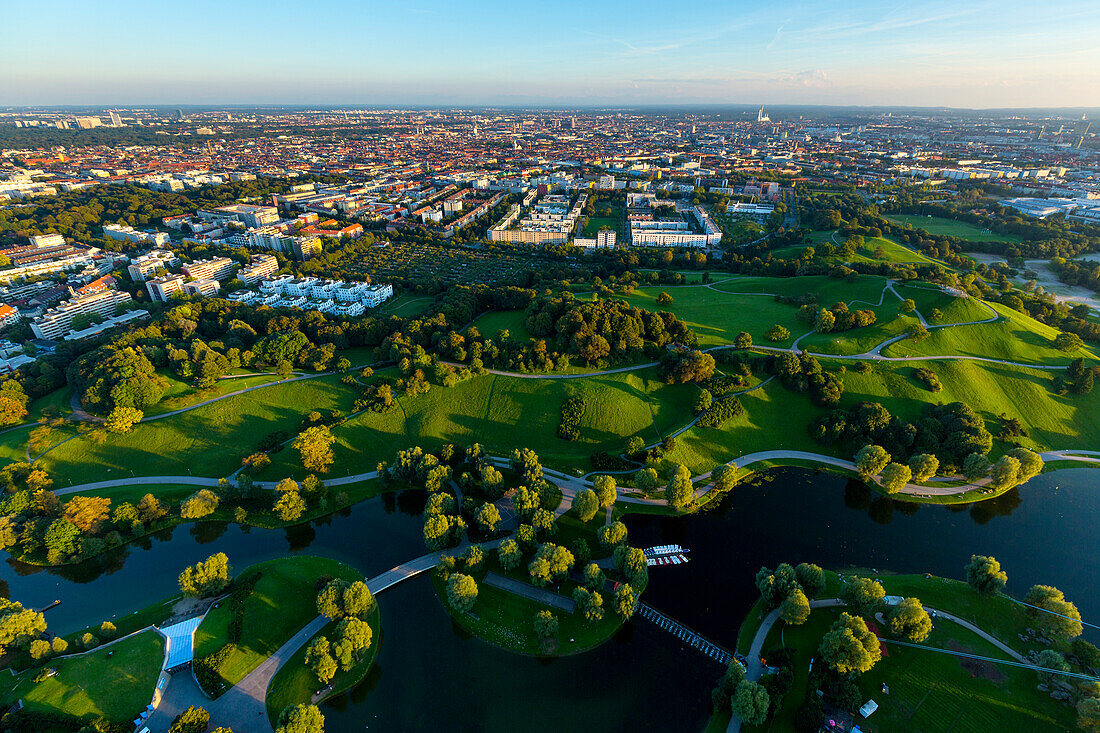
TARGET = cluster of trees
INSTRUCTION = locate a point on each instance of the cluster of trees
(1079, 378)
(349, 604)
(951, 433)
(679, 366)
(790, 589)
(837, 318)
(605, 329)
(35, 524)
(571, 412)
(206, 578)
(803, 373)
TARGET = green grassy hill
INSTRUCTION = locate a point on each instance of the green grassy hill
(951, 228)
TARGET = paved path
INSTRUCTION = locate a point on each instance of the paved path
(526, 590)
(755, 669)
(244, 706)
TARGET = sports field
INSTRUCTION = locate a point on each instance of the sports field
(951, 228)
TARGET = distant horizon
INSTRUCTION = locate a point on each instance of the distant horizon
(929, 54)
(710, 107)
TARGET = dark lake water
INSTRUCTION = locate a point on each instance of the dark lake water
(429, 674)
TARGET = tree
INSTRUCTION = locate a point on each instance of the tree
(315, 446)
(1031, 464)
(1053, 660)
(1058, 617)
(606, 490)
(107, 630)
(488, 517)
(123, 419)
(917, 332)
(795, 609)
(908, 305)
(192, 720)
(646, 480)
(724, 477)
(290, 506)
(202, 503)
(777, 333)
(40, 649)
(509, 554)
(871, 459)
(62, 539)
(461, 592)
(593, 576)
(1088, 714)
(743, 340)
(849, 646)
(319, 658)
(353, 637)
(909, 620)
(975, 466)
(358, 600)
(18, 624)
(811, 578)
(1005, 473)
(775, 586)
(1068, 342)
(87, 513)
(150, 509)
(625, 601)
(703, 401)
(750, 702)
(895, 476)
(612, 535)
(984, 575)
(206, 578)
(301, 719)
(586, 503)
(664, 299)
(588, 603)
(635, 445)
(680, 492)
(863, 595)
(546, 625)
(923, 466)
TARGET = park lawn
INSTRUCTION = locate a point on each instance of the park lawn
(91, 685)
(890, 323)
(506, 620)
(864, 290)
(295, 683)
(1052, 421)
(593, 224)
(56, 404)
(406, 305)
(493, 322)
(891, 252)
(283, 601)
(210, 440)
(954, 309)
(180, 394)
(774, 418)
(951, 228)
(717, 317)
(1014, 338)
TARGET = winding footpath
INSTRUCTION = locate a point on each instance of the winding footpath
(754, 669)
(244, 706)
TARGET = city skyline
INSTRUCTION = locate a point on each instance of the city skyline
(569, 54)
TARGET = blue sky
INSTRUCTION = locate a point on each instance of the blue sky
(962, 53)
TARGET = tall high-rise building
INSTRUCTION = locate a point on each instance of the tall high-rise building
(116, 121)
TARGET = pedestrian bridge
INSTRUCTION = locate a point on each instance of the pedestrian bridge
(691, 638)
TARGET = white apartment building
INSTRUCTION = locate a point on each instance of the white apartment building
(145, 265)
(165, 287)
(48, 240)
(261, 266)
(310, 293)
(129, 234)
(203, 288)
(58, 320)
(215, 268)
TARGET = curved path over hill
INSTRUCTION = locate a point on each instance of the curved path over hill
(755, 669)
